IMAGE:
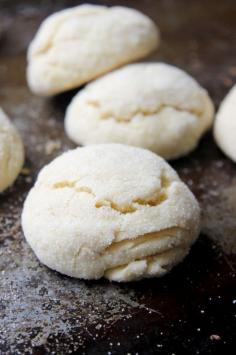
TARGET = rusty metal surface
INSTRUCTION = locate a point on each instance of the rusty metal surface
(190, 311)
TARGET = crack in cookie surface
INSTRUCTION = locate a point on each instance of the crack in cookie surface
(122, 209)
(158, 197)
(51, 42)
(142, 112)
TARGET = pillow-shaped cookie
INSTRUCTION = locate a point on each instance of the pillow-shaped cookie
(110, 211)
(225, 125)
(76, 45)
(150, 105)
(11, 152)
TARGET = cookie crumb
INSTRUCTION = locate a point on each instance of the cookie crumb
(51, 146)
(215, 337)
(25, 171)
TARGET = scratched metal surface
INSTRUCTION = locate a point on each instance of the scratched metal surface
(42, 312)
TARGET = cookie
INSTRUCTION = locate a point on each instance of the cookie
(149, 105)
(11, 152)
(110, 211)
(76, 45)
(225, 125)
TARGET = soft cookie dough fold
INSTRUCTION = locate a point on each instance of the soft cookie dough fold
(156, 265)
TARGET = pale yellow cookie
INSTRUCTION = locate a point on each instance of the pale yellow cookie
(11, 152)
(149, 105)
(76, 45)
(225, 125)
(110, 211)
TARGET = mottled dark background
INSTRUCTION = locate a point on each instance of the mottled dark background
(42, 312)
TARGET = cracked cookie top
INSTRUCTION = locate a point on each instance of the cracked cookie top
(150, 105)
(76, 45)
(110, 210)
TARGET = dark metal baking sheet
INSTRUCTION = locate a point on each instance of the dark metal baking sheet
(43, 312)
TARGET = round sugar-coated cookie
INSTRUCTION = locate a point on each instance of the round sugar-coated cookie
(150, 105)
(110, 211)
(11, 152)
(225, 125)
(76, 45)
